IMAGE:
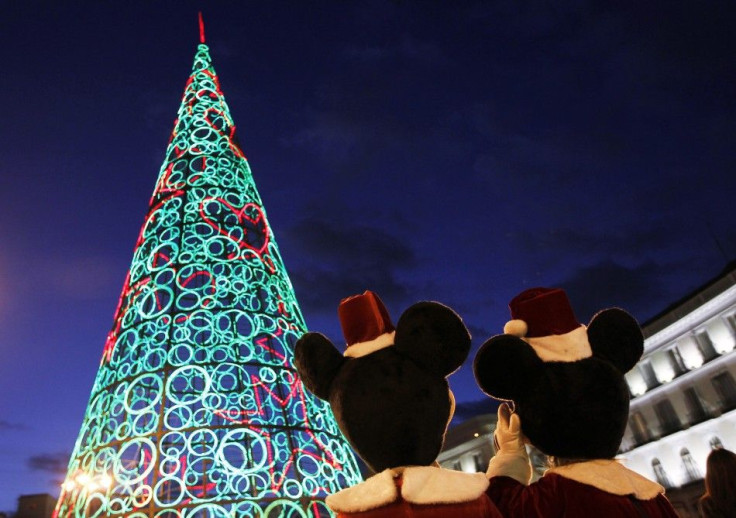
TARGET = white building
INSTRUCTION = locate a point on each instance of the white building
(469, 445)
(684, 388)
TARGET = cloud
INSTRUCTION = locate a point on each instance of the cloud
(526, 158)
(322, 290)
(352, 130)
(407, 50)
(480, 334)
(350, 118)
(358, 246)
(638, 289)
(55, 463)
(339, 260)
(619, 239)
(328, 134)
(7, 425)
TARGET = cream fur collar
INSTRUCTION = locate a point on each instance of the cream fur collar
(362, 348)
(570, 347)
(420, 485)
(610, 476)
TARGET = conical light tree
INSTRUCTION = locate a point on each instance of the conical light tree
(196, 409)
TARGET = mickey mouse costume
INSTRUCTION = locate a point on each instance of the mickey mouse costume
(391, 399)
(571, 401)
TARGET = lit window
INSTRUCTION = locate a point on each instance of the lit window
(725, 387)
(639, 428)
(705, 345)
(693, 473)
(676, 362)
(647, 372)
(637, 385)
(478, 461)
(668, 420)
(660, 474)
(731, 322)
(695, 408)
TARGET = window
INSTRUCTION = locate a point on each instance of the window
(695, 409)
(678, 366)
(705, 345)
(715, 443)
(479, 464)
(639, 428)
(660, 474)
(691, 469)
(668, 420)
(731, 323)
(647, 372)
(725, 387)
(456, 466)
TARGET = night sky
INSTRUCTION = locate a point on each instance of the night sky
(453, 151)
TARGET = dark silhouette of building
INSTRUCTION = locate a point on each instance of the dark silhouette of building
(35, 506)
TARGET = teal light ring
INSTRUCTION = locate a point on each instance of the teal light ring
(283, 508)
(169, 492)
(143, 393)
(144, 454)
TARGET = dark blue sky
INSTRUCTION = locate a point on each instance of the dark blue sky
(457, 151)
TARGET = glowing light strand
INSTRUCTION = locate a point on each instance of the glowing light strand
(196, 409)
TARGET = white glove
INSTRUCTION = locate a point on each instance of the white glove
(511, 459)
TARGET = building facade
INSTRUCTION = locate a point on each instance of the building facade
(683, 390)
(469, 445)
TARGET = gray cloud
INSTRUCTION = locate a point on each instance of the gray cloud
(627, 239)
(407, 49)
(480, 334)
(354, 246)
(55, 463)
(328, 134)
(526, 158)
(7, 425)
(637, 289)
(339, 260)
(322, 290)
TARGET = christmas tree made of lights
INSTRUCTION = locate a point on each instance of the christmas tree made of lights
(196, 409)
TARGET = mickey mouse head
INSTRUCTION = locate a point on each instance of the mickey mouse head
(388, 391)
(566, 380)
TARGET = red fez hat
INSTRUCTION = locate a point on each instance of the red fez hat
(363, 318)
(545, 311)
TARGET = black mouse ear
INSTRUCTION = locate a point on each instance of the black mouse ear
(506, 366)
(317, 361)
(433, 336)
(615, 336)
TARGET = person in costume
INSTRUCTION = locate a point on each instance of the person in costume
(391, 400)
(719, 500)
(570, 400)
